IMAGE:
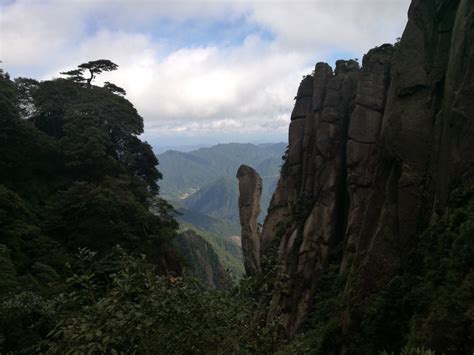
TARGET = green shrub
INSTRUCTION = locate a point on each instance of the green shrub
(142, 312)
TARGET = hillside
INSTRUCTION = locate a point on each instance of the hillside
(203, 181)
(227, 249)
(222, 235)
(202, 261)
(220, 227)
(185, 173)
(218, 199)
(202, 186)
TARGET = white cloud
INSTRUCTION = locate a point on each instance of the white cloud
(31, 31)
(352, 25)
(204, 88)
(200, 87)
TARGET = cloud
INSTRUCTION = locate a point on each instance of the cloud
(206, 82)
(202, 89)
(31, 31)
(352, 25)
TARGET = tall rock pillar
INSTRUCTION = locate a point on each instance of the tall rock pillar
(250, 188)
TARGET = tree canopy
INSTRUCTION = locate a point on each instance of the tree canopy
(93, 68)
(114, 88)
(71, 160)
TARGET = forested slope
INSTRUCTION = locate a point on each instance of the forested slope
(90, 261)
(73, 175)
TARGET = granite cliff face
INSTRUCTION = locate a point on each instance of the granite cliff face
(374, 153)
(250, 189)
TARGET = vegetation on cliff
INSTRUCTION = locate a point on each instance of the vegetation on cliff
(427, 304)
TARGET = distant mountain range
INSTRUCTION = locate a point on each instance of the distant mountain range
(216, 226)
(202, 186)
(204, 180)
(182, 148)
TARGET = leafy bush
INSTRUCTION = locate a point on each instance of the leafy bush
(137, 311)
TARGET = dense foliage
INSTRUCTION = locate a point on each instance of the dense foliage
(75, 182)
(140, 312)
(73, 174)
(228, 251)
(202, 262)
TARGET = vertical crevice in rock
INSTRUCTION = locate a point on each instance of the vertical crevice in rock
(343, 193)
(363, 133)
(313, 177)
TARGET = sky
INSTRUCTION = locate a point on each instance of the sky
(198, 72)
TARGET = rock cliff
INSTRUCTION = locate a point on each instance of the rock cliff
(250, 189)
(374, 154)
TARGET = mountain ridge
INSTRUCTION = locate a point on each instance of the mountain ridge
(209, 164)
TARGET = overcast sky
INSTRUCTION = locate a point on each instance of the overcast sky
(198, 72)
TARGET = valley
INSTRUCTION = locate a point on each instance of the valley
(202, 186)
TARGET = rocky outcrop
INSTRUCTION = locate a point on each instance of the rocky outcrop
(250, 188)
(305, 216)
(374, 153)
